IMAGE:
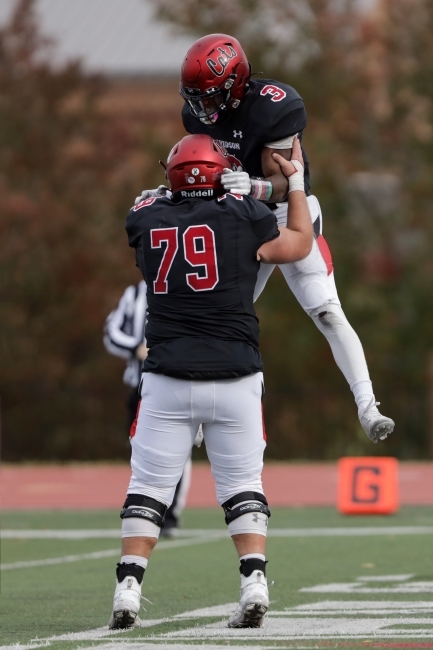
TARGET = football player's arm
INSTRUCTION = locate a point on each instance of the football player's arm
(291, 121)
(295, 241)
(273, 173)
(272, 187)
(116, 341)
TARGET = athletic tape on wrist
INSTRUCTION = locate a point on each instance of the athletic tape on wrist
(296, 180)
(261, 189)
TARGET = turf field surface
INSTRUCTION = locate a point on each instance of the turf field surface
(339, 582)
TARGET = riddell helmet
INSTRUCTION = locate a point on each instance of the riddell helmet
(194, 167)
(214, 77)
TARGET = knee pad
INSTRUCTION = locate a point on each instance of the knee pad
(145, 508)
(247, 512)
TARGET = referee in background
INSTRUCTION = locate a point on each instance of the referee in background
(124, 337)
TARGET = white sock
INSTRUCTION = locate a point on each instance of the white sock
(363, 393)
(248, 556)
(134, 559)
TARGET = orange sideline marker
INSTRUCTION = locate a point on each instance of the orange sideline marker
(367, 486)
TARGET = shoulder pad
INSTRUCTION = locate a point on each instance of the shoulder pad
(146, 202)
(238, 197)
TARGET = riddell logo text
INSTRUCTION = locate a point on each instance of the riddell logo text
(196, 193)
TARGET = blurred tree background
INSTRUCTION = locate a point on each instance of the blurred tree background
(72, 158)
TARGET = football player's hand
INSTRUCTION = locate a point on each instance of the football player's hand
(236, 182)
(162, 190)
(293, 169)
(141, 352)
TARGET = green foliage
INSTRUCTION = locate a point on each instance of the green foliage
(69, 169)
(66, 185)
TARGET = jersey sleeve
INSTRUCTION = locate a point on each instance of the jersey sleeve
(263, 222)
(290, 119)
(138, 216)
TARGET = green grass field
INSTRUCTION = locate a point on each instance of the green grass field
(339, 582)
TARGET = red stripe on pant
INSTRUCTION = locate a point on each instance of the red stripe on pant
(325, 252)
(134, 424)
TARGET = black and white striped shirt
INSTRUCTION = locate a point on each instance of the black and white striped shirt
(124, 330)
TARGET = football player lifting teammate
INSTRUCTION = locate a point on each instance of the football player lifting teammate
(200, 253)
(253, 118)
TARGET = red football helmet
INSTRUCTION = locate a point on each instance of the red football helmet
(214, 77)
(194, 167)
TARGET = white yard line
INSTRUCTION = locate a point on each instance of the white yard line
(190, 538)
(176, 543)
(351, 607)
(324, 620)
(138, 644)
(353, 531)
(98, 555)
(109, 533)
(61, 534)
(102, 533)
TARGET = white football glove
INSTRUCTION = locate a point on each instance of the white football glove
(236, 182)
(162, 190)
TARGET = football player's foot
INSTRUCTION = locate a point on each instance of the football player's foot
(126, 604)
(254, 601)
(376, 426)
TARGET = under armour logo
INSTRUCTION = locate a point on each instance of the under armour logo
(237, 134)
(256, 518)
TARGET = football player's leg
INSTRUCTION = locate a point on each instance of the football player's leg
(313, 284)
(235, 444)
(174, 511)
(160, 448)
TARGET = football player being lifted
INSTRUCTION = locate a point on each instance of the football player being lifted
(253, 118)
(200, 253)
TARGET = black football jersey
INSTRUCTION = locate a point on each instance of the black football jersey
(270, 111)
(198, 258)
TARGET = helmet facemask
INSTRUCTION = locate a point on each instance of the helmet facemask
(212, 105)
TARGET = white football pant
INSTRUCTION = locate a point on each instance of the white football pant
(312, 282)
(171, 410)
